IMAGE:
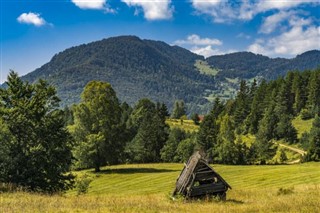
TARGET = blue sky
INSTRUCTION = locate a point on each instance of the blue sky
(32, 31)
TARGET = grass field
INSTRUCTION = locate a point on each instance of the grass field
(147, 188)
(186, 125)
(205, 68)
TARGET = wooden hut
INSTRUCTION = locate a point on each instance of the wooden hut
(198, 179)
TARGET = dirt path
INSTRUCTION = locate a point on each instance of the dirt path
(300, 151)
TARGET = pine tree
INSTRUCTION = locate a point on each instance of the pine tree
(207, 135)
(313, 152)
(263, 145)
(299, 91)
(35, 145)
(179, 110)
(314, 92)
(150, 130)
(169, 151)
(242, 104)
(284, 112)
(257, 108)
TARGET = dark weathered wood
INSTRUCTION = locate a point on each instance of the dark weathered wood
(197, 178)
(207, 189)
(205, 175)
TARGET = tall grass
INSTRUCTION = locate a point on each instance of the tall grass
(147, 188)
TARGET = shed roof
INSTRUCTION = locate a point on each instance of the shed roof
(196, 165)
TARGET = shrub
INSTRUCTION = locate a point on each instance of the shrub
(83, 184)
(285, 191)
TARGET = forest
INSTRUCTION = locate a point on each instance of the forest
(139, 68)
(41, 143)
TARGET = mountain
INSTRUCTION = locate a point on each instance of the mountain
(135, 68)
(139, 68)
(247, 65)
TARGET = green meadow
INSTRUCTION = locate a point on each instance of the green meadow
(148, 188)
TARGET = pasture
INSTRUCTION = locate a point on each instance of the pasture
(147, 188)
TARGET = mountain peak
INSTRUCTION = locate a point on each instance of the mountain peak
(138, 68)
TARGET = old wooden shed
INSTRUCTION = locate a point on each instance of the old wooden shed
(198, 179)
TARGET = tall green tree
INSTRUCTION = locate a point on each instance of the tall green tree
(263, 144)
(150, 132)
(284, 111)
(179, 109)
(98, 127)
(225, 151)
(169, 151)
(299, 90)
(257, 108)
(242, 104)
(35, 146)
(313, 102)
(313, 152)
(209, 129)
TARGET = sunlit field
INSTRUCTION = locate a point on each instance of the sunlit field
(148, 187)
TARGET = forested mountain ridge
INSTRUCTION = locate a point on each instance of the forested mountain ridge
(249, 65)
(139, 68)
(135, 68)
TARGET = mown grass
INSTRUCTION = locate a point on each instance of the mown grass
(147, 188)
(186, 125)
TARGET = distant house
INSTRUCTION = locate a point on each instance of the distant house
(198, 179)
(201, 117)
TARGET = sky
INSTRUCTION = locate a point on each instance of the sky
(33, 31)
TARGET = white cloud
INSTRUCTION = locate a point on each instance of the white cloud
(205, 51)
(243, 35)
(226, 11)
(202, 46)
(196, 40)
(220, 10)
(31, 18)
(264, 5)
(258, 48)
(208, 51)
(300, 38)
(153, 10)
(272, 22)
(93, 5)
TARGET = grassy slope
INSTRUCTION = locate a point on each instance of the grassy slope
(146, 188)
(302, 125)
(186, 125)
(204, 68)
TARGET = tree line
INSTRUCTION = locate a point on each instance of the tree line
(40, 143)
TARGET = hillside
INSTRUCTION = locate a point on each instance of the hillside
(246, 65)
(139, 68)
(136, 68)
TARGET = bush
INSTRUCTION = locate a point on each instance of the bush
(285, 191)
(83, 184)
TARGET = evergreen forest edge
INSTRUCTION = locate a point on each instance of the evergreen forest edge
(41, 143)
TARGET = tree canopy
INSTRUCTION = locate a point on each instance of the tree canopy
(35, 147)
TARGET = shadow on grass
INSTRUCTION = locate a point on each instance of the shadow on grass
(234, 201)
(134, 171)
